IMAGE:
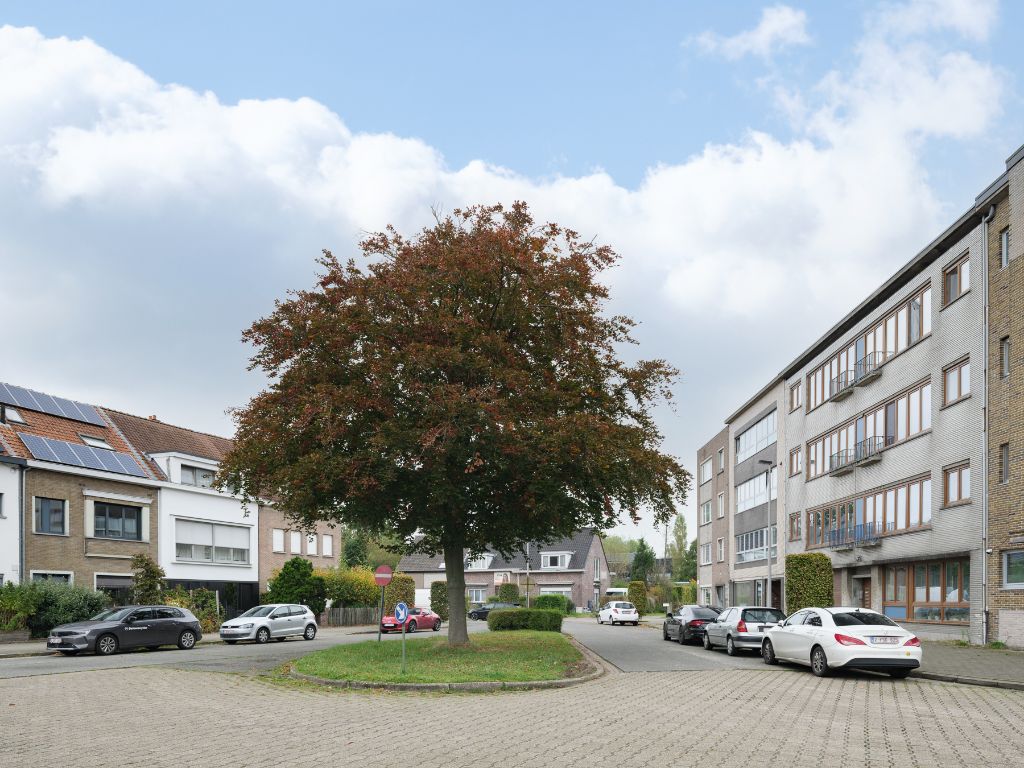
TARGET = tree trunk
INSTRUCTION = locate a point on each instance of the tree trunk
(455, 575)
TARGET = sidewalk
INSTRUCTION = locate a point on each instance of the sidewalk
(972, 665)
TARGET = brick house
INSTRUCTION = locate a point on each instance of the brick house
(280, 541)
(575, 567)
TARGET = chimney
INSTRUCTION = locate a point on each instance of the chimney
(152, 418)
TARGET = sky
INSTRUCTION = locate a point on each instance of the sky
(168, 172)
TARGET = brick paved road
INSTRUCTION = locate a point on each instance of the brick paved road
(149, 716)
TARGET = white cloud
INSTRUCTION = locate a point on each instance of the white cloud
(780, 27)
(973, 19)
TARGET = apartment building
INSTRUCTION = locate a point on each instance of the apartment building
(890, 466)
(280, 540)
(713, 517)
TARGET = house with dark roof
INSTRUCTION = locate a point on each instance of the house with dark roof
(575, 567)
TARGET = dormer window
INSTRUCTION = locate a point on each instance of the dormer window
(481, 563)
(197, 476)
(12, 415)
(96, 442)
(554, 560)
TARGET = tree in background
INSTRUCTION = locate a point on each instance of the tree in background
(147, 581)
(465, 387)
(688, 570)
(439, 599)
(637, 594)
(402, 589)
(643, 562)
(356, 554)
(296, 583)
(677, 547)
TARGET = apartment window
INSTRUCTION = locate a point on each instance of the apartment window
(705, 512)
(721, 459)
(721, 505)
(957, 484)
(202, 542)
(796, 396)
(51, 516)
(277, 540)
(956, 280)
(721, 550)
(756, 438)
(483, 562)
(705, 595)
(957, 380)
(937, 591)
(61, 576)
(753, 545)
(796, 461)
(116, 521)
(794, 526)
(1013, 570)
(705, 554)
(753, 492)
(553, 560)
(865, 517)
(705, 471)
(1004, 463)
(96, 442)
(197, 476)
(1004, 356)
(328, 545)
(477, 594)
(311, 548)
(1004, 248)
(296, 542)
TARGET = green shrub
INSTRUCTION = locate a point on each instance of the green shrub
(202, 602)
(402, 589)
(296, 583)
(541, 619)
(552, 602)
(439, 599)
(147, 580)
(350, 586)
(59, 603)
(18, 602)
(637, 594)
(508, 593)
(808, 580)
(492, 598)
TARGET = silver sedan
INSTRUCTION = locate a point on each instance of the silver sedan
(740, 627)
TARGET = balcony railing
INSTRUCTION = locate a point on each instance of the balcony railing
(841, 386)
(869, 451)
(868, 368)
(841, 463)
(863, 535)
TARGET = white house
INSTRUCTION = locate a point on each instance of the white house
(11, 537)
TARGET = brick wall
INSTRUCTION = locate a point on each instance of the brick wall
(271, 561)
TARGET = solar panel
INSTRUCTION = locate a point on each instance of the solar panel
(76, 455)
(31, 400)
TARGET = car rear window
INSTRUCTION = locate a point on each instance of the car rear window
(763, 615)
(624, 606)
(704, 613)
(862, 619)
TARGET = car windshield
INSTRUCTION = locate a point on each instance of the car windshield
(259, 610)
(763, 615)
(624, 606)
(112, 614)
(704, 613)
(862, 619)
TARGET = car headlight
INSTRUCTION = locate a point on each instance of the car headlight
(247, 626)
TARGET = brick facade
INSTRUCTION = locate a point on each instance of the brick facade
(715, 577)
(271, 560)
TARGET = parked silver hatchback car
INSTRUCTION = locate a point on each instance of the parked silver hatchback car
(740, 627)
(278, 621)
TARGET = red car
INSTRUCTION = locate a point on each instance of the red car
(419, 618)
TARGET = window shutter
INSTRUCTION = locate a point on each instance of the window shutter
(90, 518)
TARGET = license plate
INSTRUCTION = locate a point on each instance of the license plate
(885, 640)
(54, 641)
(761, 628)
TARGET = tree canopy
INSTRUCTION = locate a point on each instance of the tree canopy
(463, 390)
(643, 562)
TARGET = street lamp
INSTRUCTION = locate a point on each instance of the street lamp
(768, 495)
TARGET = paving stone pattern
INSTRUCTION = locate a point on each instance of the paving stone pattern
(174, 717)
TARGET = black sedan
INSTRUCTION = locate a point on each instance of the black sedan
(686, 623)
(481, 611)
(134, 626)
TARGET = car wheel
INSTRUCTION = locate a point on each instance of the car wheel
(681, 637)
(187, 640)
(106, 645)
(730, 646)
(898, 674)
(819, 662)
(262, 635)
(411, 628)
(664, 632)
(70, 653)
(599, 619)
(707, 642)
(768, 653)
(437, 625)
(230, 642)
(310, 632)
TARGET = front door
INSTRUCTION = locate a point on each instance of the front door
(865, 594)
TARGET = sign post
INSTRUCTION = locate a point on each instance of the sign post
(402, 614)
(383, 577)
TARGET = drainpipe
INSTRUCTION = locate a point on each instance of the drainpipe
(21, 526)
(984, 432)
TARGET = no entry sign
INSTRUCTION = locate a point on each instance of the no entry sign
(382, 575)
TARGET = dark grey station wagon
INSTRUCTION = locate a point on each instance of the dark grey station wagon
(133, 626)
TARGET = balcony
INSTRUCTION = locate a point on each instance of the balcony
(841, 463)
(841, 387)
(864, 535)
(869, 451)
(868, 368)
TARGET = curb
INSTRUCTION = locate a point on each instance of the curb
(471, 687)
(1011, 685)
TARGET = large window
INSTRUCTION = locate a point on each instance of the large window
(311, 544)
(899, 419)
(756, 438)
(1013, 570)
(328, 548)
(553, 560)
(51, 516)
(957, 484)
(705, 512)
(116, 521)
(753, 545)
(203, 542)
(277, 540)
(893, 509)
(956, 280)
(295, 542)
(902, 328)
(705, 471)
(197, 476)
(957, 382)
(476, 594)
(753, 492)
(705, 554)
(928, 591)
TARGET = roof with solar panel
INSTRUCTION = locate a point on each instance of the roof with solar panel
(35, 425)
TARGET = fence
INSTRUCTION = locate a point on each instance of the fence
(351, 615)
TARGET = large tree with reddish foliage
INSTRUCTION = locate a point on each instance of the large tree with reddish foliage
(466, 387)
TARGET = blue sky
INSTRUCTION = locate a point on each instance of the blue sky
(759, 170)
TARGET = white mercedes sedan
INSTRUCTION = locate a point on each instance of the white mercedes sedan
(842, 638)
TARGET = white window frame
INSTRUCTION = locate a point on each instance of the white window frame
(705, 595)
(327, 545)
(481, 591)
(48, 572)
(706, 471)
(480, 562)
(721, 505)
(721, 459)
(1006, 583)
(757, 437)
(96, 442)
(215, 524)
(273, 540)
(295, 542)
(311, 544)
(563, 557)
(705, 512)
(13, 414)
(1004, 247)
(721, 550)
(705, 554)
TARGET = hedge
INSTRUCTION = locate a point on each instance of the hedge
(509, 593)
(40, 606)
(202, 602)
(808, 581)
(351, 586)
(555, 602)
(637, 594)
(402, 589)
(541, 619)
(439, 599)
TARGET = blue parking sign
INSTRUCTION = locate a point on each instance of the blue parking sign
(401, 612)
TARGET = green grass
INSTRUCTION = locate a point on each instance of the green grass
(493, 657)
